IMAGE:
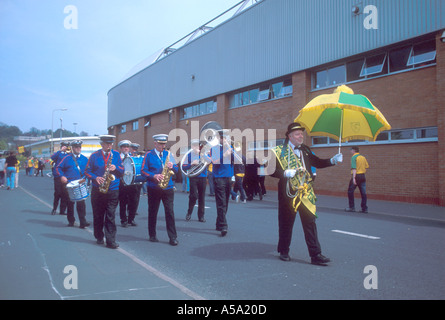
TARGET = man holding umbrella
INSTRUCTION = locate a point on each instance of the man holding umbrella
(295, 192)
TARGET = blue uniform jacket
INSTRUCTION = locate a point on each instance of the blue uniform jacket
(152, 165)
(222, 167)
(96, 168)
(56, 158)
(187, 164)
(67, 167)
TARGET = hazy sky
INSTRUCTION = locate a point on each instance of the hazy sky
(44, 65)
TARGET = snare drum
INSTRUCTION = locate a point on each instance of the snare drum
(132, 170)
(77, 190)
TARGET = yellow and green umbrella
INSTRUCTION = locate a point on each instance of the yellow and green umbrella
(343, 116)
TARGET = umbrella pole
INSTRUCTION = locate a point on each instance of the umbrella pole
(341, 131)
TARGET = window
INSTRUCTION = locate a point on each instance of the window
(337, 75)
(422, 53)
(261, 92)
(397, 59)
(199, 109)
(373, 65)
(123, 128)
(353, 70)
(321, 79)
(263, 95)
(330, 77)
(135, 125)
(402, 135)
(427, 134)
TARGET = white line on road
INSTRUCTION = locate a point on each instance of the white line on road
(356, 234)
(144, 265)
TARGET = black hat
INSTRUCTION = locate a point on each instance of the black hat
(294, 126)
(107, 138)
(65, 144)
(77, 143)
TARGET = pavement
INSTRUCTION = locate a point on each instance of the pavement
(386, 208)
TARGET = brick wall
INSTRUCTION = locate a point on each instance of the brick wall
(412, 172)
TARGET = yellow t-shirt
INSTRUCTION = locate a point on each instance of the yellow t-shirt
(359, 163)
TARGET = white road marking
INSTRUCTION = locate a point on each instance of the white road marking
(144, 265)
(356, 234)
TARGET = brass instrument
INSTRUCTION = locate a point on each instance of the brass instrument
(209, 135)
(108, 176)
(166, 172)
(237, 147)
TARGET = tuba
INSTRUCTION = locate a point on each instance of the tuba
(210, 136)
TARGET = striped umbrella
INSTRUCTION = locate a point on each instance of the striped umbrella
(343, 116)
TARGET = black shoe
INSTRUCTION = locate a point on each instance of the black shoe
(132, 223)
(188, 217)
(100, 241)
(350, 209)
(173, 242)
(223, 232)
(202, 220)
(320, 260)
(124, 224)
(70, 224)
(84, 225)
(53, 212)
(112, 245)
(364, 211)
(284, 257)
(153, 239)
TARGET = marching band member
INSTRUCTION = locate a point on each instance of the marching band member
(222, 159)
(56, 158)
(136, 195)
(197, 184)
(152, 167)
(70, 168)
(126, 192)
(105, 168)
(295, 192)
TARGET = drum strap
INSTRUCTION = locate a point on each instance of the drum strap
(77, 165)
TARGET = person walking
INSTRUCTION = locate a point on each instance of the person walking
(359, 164)
(10, 170)
(295, 192)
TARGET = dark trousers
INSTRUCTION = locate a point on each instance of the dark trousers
(286, 219)
(104, 208)
(361, 184)
(128, 201)
(238, 186)
(222, 194)
(155, 196)
(80, 206)
(197, 193)
(58, 195)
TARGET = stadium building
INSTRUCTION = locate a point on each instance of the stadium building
(267, 59)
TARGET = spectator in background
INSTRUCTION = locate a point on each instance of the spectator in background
(10, 170)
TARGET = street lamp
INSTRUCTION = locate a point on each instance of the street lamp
(52, 129)
(75, 124)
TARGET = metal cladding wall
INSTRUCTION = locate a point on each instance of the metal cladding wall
(268, 40)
